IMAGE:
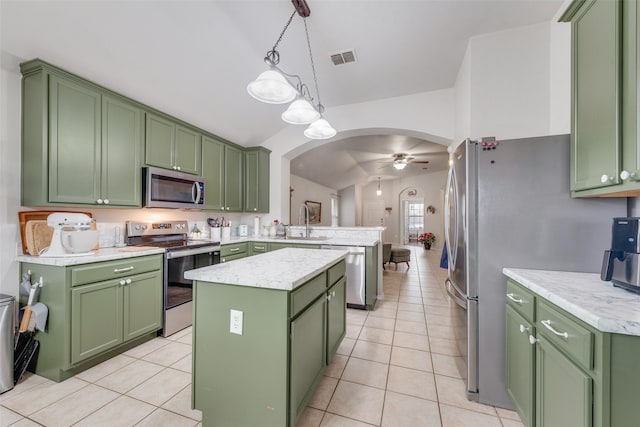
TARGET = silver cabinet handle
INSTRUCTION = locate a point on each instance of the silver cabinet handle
(224, 260)
(513, 298)
(333, 294)
(533, 340)
(106, 201)
(625, 175)
(329, 297)
(260, 248)
(234, 249)
(606, 178)
(547, 324)
(128, 281)
(178, 167)
(122, 270)
(99, 201)
(523, 329)
(122, 282)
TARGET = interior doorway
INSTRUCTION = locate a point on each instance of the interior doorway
(412, 223)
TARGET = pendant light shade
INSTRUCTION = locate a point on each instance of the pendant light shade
(320, 129)
(378, 191)
(271, 87)
(300, 112)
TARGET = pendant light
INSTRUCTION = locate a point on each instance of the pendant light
(274, 86)
(379, 191)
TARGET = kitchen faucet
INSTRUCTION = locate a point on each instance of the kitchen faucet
(306, 208)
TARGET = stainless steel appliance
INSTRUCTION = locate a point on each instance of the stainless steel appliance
(621, 262)
(355, 275)
(169, 189)
(7, 330)
(508, 205)
(181, 254)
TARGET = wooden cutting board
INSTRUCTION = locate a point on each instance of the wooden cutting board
(38, 236)
(26, 216)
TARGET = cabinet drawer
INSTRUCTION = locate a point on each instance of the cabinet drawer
(233, 249)
(258, 248)
(98, 272)
(522, 300)
(306, 293)
(568, 335)
(228, 258)
(335, 273)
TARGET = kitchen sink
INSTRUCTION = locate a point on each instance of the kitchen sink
(305, 238)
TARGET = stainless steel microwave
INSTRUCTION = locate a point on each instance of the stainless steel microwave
(168, 189)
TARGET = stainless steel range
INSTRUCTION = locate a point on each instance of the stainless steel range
(181, 254)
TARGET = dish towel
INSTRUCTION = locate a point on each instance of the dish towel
(444, 259)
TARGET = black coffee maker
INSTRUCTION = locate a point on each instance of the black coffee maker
(621, 263)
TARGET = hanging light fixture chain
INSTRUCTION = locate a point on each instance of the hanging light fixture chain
(273, 54)
(313, 68)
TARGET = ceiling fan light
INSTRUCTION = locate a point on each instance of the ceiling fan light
(399, 165)
(320, 129)
(271, 87)
(300, 112)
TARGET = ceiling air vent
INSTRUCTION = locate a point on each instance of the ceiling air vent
(342, 58)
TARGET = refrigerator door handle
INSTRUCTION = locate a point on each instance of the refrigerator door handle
(453, 292)
(451, 207)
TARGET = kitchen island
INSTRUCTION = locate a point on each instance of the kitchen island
(572, 344)
(265, 327)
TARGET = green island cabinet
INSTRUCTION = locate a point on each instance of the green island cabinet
(170, 145)
(256, 180)
(266, 376)
(561, 371)
(222, 170)
(96, 311)
(605, 154)
(81, 144)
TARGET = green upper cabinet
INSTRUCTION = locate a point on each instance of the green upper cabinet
(256, 180)
(222, 170)
(172, 146)
(604, 157)
(80, 144)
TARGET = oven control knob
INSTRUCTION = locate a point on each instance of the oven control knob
(144, 226)
(137, 227)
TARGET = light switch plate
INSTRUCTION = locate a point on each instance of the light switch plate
(235, 323)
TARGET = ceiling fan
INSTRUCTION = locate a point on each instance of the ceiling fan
(401, 160)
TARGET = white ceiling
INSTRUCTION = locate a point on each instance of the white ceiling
(193, 59)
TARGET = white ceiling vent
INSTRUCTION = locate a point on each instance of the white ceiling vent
(342, 58)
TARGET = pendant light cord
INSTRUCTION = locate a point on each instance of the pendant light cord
(313, 68)
(273, 54)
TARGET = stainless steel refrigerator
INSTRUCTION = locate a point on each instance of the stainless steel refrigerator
(508, 205)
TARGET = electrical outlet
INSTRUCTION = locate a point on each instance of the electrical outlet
(235, 324)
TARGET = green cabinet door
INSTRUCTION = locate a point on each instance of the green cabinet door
(121, 152)
(307, 356)
(564, 393)
(520, 365)
(213, 173)
(159, 142)
(336, 317)
(187, 150)
(233, 160)
(96, 319)
(142, 304)
(596, 134)
(74, 145)
(256, 180)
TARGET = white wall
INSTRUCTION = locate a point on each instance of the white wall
(9, 177)
(308, 190)
(515, 83)
(347, 207)
(429, 187)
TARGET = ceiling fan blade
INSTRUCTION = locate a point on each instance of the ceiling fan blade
(418, 161)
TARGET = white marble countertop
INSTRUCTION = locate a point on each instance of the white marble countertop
(285, 269)
(584, 295)
(105, 254)
(362, 241)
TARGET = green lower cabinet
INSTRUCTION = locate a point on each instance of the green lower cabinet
(96, 311)
(520, 373)
(307, 355)
(256, 248)
(96, 319)
(564, 391)
(336, 317)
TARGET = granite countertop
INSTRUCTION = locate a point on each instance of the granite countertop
(360, 241)
(104, 254)
(285, 269)
(584, 295)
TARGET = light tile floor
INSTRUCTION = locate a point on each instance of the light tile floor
(396, 367)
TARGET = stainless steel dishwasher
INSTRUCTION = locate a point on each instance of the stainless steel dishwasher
(355, 274)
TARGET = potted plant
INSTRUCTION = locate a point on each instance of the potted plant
(427, 239)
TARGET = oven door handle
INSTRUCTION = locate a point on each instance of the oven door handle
(188, 252)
